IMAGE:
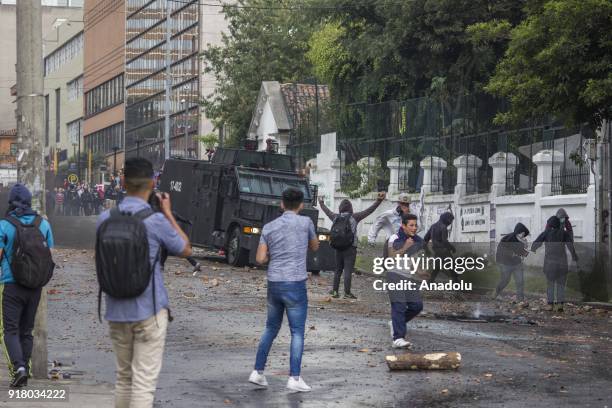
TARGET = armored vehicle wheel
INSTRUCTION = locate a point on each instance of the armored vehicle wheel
(235, 254)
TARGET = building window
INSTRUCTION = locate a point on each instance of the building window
(47, 120)
(105, 139)
(75, 89)
(64, 54)
(14, 149)
(57, 115)
(74, 129)
(105, 95)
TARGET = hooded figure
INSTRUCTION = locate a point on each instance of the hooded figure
(345, 259)
(510, 253)
(555, 239)
(565, 222)
(438, 235)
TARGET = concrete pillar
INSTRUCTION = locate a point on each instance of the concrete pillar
(548, 162)
(399, 171)
(467, 166)
(433, 167)
(504, 165)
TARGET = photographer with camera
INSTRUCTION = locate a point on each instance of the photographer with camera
(130, 273)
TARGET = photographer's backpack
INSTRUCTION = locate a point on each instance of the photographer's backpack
(123, 267)
(341, 234)
(32, 265)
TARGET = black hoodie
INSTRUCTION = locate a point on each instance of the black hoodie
(438, 234)
(511, 250)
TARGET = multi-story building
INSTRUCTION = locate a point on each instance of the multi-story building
(63, 79)
(52, 11)
(104, 111)
(147, 55)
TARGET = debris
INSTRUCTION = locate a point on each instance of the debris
(430, 361)
(214, 282)
(444, 391)
(364, 350)
(189, 295)
(488, 375)
(312, 328)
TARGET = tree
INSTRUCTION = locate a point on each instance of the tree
(558, 62)
(383, 50)
(267, 40)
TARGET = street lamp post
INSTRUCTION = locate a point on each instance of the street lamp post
(115, 148)
(74, 145)
(138, 142)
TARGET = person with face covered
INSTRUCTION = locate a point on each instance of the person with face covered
(555, 240)
(390, 220)
(510, 253)
(438, 235)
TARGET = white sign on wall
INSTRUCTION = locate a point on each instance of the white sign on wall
(474, 218)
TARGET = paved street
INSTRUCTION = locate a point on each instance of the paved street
(220, 314)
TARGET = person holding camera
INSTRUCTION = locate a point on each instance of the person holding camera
(137, 308)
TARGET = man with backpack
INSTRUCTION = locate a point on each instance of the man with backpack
(131, 243)
(27, 266)
(343, 238)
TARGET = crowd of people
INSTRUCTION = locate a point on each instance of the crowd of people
(137, 301)
(76, 199)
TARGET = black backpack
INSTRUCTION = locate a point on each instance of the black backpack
(122, 255)
(341, 235)
(32, 264)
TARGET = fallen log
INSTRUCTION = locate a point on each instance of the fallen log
(429, 361)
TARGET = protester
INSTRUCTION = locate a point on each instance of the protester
(18, 303)
(344, 240)
(509, 256)
(565, 222)
(390, 220)
(284, 243)
(408, 303)
(555, 240)
(138, 324)
(438, 235)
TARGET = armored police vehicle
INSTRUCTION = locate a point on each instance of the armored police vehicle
(226, 202)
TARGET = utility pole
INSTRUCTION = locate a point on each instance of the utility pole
(30, 127)
(168, 82)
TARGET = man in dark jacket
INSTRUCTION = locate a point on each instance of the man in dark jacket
(438, 235)
(555, 239)
(345, 259)
(510, 253)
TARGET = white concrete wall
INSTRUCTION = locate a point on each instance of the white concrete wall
(479, 218)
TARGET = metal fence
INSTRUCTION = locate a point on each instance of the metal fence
(376, 141)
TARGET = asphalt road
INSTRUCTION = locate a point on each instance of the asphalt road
(558, 361)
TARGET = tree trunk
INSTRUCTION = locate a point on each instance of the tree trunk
(430, 361)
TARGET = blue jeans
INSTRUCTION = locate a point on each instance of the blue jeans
(292, 297)
(402, 313)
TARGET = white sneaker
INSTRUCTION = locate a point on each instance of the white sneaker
(391, 328)
(297, 385)
(401, 343)
(258, 379)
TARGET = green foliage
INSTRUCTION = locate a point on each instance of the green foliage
(558, 62)
(359, 180)
(330, 60)
(264, 43)
(209, 140)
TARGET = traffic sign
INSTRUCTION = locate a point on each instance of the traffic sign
(73, 178)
